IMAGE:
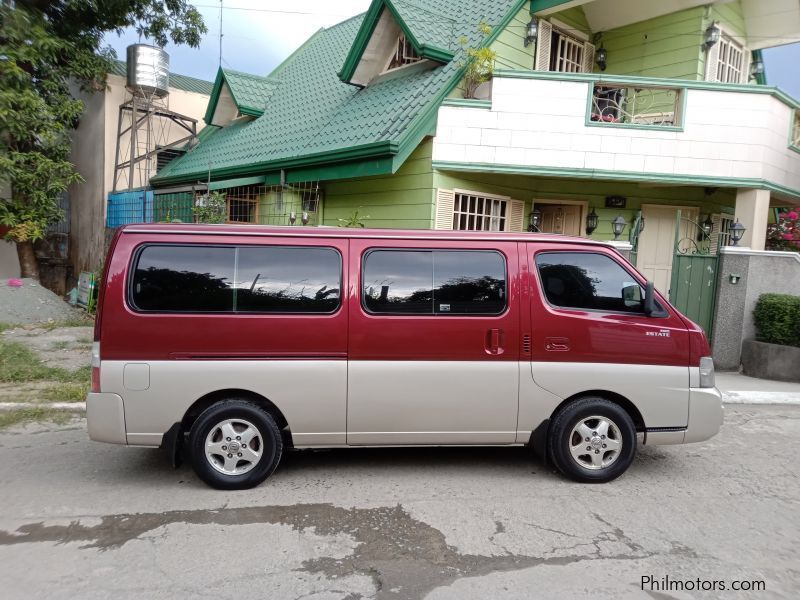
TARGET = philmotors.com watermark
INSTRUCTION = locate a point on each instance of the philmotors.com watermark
(668, 584)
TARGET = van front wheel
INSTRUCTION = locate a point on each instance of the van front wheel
(235, 445)
(592, 440)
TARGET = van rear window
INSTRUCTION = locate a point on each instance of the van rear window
(434, 282)
(236, 279)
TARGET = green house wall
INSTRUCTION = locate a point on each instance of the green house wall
(510, 44)
(594, 192)
(403, 200)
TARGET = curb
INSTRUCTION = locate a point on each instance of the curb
(65, 406)
(749, 397)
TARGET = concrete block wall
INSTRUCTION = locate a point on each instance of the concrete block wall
(759, 273)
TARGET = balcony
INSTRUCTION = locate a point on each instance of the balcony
(663, 131)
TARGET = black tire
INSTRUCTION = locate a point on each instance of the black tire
(269, 443)
(561, 439)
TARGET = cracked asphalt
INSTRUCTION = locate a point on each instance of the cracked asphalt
(85, 520)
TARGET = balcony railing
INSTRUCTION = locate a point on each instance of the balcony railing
(625, 105)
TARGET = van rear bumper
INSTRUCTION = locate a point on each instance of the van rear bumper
(105, 417)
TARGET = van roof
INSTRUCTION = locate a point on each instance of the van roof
(339, 232)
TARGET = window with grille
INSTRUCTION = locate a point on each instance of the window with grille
(242, 210)
(478, 213)
(310, 200)
(404, 54)
(566, 53)
(796, 129)
(730, 62)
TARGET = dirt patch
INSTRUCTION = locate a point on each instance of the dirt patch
(33, 303)
(67, 348)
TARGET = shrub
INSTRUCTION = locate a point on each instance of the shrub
(777, 318)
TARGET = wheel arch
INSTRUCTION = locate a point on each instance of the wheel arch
(539, 436)
(211, 398)
(628, 406)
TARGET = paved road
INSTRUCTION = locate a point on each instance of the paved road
(85, 520)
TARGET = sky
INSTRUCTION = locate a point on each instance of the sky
(259, 34)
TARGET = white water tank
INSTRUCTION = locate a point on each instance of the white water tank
(148, 70)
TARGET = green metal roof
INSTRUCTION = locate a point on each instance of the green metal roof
(179, 82)
(314, 119)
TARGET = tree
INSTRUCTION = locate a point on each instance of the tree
(50, 50)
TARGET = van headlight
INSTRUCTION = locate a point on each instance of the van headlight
(707, 372)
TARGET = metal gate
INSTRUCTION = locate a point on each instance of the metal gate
(693, 288)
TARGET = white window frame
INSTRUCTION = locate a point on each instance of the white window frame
(496, 222)
(718, 63)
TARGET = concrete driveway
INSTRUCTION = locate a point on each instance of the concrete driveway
(86, 520)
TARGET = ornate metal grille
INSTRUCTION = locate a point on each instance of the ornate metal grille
(637, 106)
(477, 213)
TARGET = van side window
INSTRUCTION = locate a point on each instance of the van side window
(280, 279)
(434, 282)
(184, 279)
(589, 281)
(228, 279)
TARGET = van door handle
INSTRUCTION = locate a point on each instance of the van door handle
(494, 341)
(555, 344)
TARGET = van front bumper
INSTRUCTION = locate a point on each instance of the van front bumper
(705, 419)
(705, 414)
(105, 417)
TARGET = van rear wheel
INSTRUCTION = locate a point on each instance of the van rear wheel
(592, 440)
(235, 445)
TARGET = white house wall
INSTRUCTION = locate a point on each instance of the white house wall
(541, 124)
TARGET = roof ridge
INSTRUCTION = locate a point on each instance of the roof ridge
(246, 74)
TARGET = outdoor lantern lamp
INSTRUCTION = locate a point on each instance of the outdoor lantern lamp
(708, 225)
(292, 217)
(712, 35)
(591, 222)
(304, 218)
(618, 226)
(737, 231)
(532, 32)
(534, 220)
(602, 58)
(756, 67)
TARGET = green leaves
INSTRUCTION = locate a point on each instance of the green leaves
(49, 50)
(777, 319)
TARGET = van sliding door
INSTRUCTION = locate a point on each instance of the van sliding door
(433, 343)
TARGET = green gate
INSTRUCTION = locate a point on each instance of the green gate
(693, 289)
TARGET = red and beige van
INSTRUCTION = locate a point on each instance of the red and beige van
(249, 340)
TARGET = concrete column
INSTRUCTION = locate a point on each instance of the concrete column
(752, 210)
(622, 247)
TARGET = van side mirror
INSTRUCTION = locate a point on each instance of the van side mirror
(650, 299)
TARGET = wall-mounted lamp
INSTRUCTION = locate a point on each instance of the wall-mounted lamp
(756, 67)
(602, 58)
(292, 217)
(304, 218)
(712, 35)
(591, 222)
(534, 220)
(737, 231)
(531, 32)
(618, 226)
(708, 225)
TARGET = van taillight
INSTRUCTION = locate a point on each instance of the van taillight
(96, 367)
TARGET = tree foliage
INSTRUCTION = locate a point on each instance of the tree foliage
(49, 52)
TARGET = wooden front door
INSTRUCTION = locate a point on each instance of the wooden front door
(560, 218)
